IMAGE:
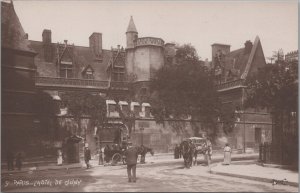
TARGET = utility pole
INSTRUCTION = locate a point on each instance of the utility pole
(244, 128)
(142, 129)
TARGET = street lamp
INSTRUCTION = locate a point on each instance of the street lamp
(142, 129)
(100, 162)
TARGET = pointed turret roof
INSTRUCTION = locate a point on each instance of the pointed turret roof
(13, 35)
(131, 26)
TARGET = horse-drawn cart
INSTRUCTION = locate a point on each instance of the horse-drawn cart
(191, 147)
(113, 138)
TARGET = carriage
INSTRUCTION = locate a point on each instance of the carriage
(113, 139)
(191, 147)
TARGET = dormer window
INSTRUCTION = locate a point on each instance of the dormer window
(66, 69)
(88, 72)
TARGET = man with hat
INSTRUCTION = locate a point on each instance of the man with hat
(87, 155)
(131, 155)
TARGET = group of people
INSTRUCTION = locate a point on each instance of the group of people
(10, 160)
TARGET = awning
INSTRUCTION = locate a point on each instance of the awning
(123, 103)
(134, 104)
(110, 102)
(146, 105)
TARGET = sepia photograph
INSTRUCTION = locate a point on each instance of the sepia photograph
(149, 96)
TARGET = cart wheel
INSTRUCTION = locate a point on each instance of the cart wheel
(124, 160)
(116, 158)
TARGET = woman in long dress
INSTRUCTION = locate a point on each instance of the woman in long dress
(59, 157)
(227, 154)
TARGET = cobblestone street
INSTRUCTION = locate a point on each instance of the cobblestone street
(173, 178)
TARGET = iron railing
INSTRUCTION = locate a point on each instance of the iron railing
(230, 85)
(79, 83)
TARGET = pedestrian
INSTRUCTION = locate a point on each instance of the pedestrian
(87, 156)
(131, 155)
(10, 160)
(176, 152)
(106, 153)
(227, 154)
(209, 151)
(179, 151)
(143, 152)
(19, 161)
(59, 157)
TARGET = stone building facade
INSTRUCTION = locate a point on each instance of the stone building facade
(123, 74)
(231, 69)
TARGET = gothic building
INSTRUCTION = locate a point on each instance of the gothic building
(231, 69)
(54, 67)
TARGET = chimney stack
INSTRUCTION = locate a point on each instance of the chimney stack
(248, 46)
(96, 44)
(219, 49)
(47, 36)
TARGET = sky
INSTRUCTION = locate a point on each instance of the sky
(200, 23)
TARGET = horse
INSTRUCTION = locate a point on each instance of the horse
(188, 151)
(205, 149)
(143, 150)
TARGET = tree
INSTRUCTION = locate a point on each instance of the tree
(278, 56)
(275, 88)
(80, 104)
(45, 109)
(185, 89)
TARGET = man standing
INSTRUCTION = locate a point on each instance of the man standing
(87, 156)
(131, 160)
(10, 160)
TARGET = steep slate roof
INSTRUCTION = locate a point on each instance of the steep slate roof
(83, 57)
(239, 61)
(131, 26)
(12, 32)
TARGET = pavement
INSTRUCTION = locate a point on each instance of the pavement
(252, 171)
(242, 166)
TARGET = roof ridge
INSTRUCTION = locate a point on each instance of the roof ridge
(250, 59)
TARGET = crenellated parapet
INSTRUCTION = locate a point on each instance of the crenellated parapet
(149, 41)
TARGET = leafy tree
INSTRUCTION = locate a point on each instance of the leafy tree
(275, 88)
(185, 89)
(45, 109)
(80, 104)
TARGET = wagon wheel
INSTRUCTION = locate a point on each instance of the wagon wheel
(116, 158)
(124, 159)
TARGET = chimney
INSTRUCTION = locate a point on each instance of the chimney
(96, 44)
(26, 36)
(248, 47)
(170, 49)
(219, 48)
(46, 36)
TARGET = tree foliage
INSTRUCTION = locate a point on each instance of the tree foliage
(45, 109)
(80, 104)
(185, 89)
(274, 87)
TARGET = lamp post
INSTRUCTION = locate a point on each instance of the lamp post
(142, 129)
(100, 149)
(243, 110)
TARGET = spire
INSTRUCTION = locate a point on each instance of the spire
(131, 26)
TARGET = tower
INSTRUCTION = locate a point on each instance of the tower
(131, 34)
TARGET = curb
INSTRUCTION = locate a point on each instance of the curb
(148, 164)
(260, 179)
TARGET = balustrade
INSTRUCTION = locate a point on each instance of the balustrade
(73, 82)
(231, 84)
